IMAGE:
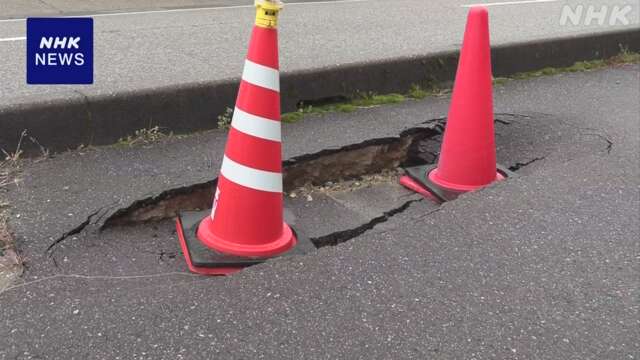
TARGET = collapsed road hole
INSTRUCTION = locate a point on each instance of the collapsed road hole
(414, 146)
(369, 163)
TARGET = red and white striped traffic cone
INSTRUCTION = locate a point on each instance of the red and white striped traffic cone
(246, 220)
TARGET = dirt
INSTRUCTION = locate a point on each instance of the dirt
(331, 187)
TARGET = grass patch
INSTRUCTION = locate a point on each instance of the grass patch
(499, 81)
(224, 119)
(362, 100)
(294, 116)
(372, 99)
(144, 137)
(417, 92)
(624, 57)
(346, 108)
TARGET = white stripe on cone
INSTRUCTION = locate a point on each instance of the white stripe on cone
(261, 75)
(216, 197)
(252, 178)
(256, 125)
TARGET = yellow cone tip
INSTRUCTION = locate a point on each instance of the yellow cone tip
(267, 13)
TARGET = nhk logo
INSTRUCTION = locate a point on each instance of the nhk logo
(60, 51)
(56, 58)
(602, 15)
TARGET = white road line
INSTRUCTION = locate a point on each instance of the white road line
(511, 3)
(13, 39)
(168, 11)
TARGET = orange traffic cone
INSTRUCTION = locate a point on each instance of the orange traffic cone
(468, 155)
(245, 225)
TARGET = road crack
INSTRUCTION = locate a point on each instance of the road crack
(339, 237)
(76, 230)
(520, 165)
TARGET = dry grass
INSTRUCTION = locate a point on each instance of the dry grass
(8, 173)
(9, 169)
(4, 175)
(9, 166)
(10, 262)
(145, 137)
(5, 236)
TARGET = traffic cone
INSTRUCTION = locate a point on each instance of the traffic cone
(468, 155)
(245, 225)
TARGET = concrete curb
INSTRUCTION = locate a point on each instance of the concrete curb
(66, 124)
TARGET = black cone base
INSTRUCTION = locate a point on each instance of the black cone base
(203, 260)
(420, 175)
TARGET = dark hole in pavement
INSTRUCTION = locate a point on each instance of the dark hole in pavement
(378, 157)
(341, 180)
(413, 146)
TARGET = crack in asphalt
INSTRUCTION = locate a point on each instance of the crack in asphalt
(515, 115)
(343, 236)
(76, 230)
(339, 237)
(386, 152)
(606, 139)
(520, 165)
(415, 135)
(442, 120)
(438, 121)
(503, 122)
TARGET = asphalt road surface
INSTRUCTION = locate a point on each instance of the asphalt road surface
(141, 46)
(541, 266)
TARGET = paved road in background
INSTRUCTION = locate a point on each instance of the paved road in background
(158, 48)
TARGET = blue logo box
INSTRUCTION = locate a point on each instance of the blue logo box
(59, 51)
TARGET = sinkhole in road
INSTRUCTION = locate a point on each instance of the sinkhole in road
(343, 185)
(333, 196)
(380, 156)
